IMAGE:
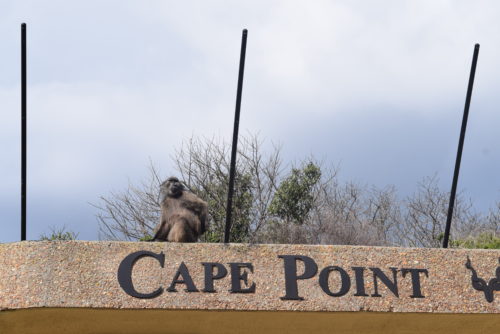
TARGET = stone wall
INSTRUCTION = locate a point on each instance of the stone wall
(80, 274)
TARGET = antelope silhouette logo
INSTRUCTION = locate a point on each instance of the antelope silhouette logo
(480, 284)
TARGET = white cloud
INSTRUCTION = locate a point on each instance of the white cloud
(113, 84)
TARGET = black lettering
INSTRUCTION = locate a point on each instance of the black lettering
(360, 281)
(291, 277)
(344, 277)
(237, 276)
(125, 273)
(186, 279)
(210, 276)
(415, 280)
(391, 285)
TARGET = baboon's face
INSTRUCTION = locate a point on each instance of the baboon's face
(171, 188)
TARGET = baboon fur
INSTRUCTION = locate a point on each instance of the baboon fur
(183, 214)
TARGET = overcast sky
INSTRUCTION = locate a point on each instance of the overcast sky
(377, 88)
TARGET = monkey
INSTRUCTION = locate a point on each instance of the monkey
(183, 214)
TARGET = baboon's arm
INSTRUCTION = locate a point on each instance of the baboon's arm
(200, 208)
(203, 217)
(161, 230)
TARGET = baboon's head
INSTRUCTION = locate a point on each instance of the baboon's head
(172, 187)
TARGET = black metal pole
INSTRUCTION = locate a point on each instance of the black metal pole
(235, 137)
(460, 147)
(23, 131)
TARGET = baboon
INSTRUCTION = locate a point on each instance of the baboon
(183, 214)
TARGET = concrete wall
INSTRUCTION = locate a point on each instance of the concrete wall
(81, 274)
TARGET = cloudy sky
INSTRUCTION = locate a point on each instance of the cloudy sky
(377, 88)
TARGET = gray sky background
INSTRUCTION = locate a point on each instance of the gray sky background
(377, 88)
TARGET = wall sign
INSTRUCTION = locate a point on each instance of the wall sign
(241, 277)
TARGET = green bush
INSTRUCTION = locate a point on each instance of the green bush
(59, 234)
(294, 198)
(486, 240)
(146, 237)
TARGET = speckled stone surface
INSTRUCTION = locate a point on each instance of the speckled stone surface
(84, 274)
